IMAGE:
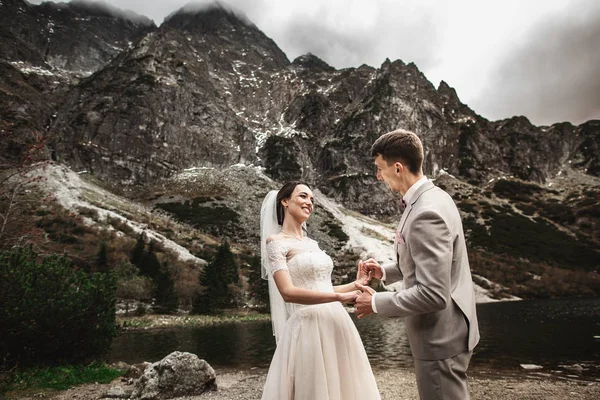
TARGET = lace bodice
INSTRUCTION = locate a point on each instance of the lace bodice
(308, 265)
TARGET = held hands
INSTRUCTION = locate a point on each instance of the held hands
(349, 297)
(368, 270)
(362, 306)
(362, 274)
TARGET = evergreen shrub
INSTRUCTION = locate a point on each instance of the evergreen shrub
(52, 313)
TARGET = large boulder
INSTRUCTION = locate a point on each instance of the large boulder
(178, 374)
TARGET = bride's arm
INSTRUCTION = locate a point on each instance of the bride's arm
(348, 287)
(292, 294)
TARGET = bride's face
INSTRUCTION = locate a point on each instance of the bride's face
(300, 204)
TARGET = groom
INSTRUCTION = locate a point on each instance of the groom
(431, 257)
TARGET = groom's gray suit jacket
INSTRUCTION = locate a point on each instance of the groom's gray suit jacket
(438, 299)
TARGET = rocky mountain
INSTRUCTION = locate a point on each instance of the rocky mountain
(47, 48)
(208, 90)
(79, 36)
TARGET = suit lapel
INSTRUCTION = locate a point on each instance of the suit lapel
(424, 187)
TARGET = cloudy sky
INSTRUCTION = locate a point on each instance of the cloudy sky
(538, 58)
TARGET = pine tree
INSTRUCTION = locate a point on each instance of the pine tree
(259, 288)
(165, 294)
(217, 280)
(138, 251)
(227, 262)
(149, 264)
(102, 258)
(212, 293)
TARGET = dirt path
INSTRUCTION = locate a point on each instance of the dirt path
(393, 385)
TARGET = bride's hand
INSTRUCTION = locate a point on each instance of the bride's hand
(349, 297)
(362, 274)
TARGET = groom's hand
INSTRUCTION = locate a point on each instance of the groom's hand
(362, 306)
(373, 268)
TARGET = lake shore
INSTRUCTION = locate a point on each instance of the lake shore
(397, 384)
(393, 383)
(157, 321)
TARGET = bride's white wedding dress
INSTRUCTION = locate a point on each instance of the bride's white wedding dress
(319, 354)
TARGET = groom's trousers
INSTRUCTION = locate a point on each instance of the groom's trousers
(443, 379)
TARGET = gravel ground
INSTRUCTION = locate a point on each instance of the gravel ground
(393, 385)
(401, 385)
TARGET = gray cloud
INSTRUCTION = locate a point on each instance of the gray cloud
(395, 33)
(552, 76)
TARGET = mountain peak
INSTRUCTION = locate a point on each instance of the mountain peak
(447, 90)
(312, 62)
(207, 17)
(222, 26)
(96, 8)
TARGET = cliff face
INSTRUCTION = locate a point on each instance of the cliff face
(78, 36)
(208, 89)
(45, 50)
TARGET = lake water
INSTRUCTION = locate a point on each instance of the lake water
(555, 334)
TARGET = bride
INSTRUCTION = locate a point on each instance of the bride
(319, 353)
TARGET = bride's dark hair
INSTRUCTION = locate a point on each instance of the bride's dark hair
(285, 193)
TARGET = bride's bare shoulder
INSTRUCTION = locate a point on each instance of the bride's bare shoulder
(275, 237)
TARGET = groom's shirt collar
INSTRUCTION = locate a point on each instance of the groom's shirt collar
(413, 189)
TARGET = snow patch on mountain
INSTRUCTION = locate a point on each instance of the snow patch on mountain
(72, 192)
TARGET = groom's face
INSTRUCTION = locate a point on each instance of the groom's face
(387, 173)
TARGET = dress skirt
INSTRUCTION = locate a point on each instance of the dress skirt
(320, 356)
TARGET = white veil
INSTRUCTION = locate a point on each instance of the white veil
(268, 227)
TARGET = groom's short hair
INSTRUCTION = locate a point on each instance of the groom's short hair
(400, 146)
